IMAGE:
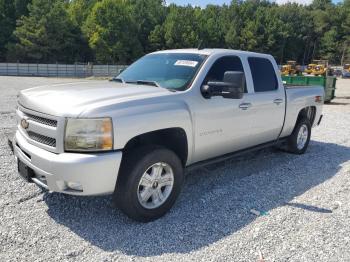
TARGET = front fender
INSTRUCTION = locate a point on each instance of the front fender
(144, 118)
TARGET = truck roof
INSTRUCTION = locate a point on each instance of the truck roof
(212, 51)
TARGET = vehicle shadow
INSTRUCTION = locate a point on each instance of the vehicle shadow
(214, 203)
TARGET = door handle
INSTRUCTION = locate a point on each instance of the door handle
(278, 101)
(245, 106)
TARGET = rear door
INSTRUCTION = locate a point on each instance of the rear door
(267, 101)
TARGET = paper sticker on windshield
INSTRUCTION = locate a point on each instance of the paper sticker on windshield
(186, 63)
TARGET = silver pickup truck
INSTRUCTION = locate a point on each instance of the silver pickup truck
(134, 136)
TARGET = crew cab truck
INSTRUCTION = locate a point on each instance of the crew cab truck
(134, 136)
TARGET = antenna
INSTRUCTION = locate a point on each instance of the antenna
(200, 45)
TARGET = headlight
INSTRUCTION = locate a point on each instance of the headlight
(89, 134)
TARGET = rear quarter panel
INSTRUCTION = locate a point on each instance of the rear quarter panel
(299, 98)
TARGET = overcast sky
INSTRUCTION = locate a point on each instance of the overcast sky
(203, 3)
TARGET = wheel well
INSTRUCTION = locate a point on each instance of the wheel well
(309, 113)
(174, 139)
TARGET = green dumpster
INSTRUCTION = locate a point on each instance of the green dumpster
(328, 83)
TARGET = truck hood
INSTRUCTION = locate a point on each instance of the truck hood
(71, 99)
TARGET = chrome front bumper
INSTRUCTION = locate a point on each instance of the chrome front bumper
(96, 173)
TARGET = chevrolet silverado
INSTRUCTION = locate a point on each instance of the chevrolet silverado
(172, 110)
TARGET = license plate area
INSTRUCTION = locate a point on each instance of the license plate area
(24, 171)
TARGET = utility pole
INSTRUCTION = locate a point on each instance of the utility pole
(345, 47)
(313, 51)
(282, 54)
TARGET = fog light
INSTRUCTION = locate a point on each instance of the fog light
(75, 186)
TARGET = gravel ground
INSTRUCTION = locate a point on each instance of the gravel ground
(306, 199)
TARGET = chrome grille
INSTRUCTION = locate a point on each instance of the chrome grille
(42, 139)
(43, 130)
(42, 120)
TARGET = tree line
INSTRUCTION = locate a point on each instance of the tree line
(120, 31)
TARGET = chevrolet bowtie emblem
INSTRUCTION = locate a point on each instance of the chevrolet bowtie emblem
(24, 123)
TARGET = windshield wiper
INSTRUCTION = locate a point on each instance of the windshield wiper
(144, 82)
(118, 79)
(148, 82)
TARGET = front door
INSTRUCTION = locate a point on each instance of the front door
(221, 126)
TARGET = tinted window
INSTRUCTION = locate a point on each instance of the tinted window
(223, 64)
(263, 73)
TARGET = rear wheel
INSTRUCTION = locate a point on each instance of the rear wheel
(299, 140)
(149, 183)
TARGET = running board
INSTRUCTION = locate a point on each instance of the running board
(233, 154)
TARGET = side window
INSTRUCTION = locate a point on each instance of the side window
(223, 64)
(263, 73)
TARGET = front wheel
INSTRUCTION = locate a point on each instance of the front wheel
(149, 183)
(299, 140)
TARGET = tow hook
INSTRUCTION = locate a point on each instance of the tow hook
(9, 142)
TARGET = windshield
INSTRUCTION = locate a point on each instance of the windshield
(169, 70)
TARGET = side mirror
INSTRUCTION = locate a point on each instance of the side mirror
(232, 86)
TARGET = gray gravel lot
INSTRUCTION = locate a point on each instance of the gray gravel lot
(307, 200)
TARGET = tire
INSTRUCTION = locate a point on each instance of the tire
(144, 171)
(298, 141)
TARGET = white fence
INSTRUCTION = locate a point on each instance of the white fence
(59, 70)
